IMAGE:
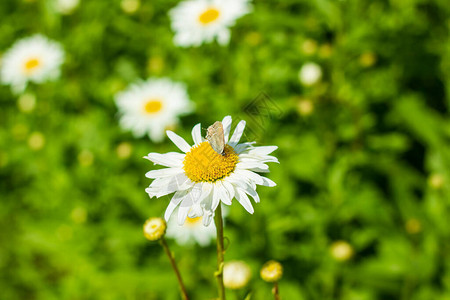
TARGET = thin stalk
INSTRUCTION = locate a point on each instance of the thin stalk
(163, 243)
(276, 291)
(220, 252)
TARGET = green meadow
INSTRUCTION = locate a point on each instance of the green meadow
(364, 151)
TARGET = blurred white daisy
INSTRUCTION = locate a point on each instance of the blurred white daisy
(151, 106)
(236, 274)
(36, 59)
(198, 21)
(66, 7)
(201, 178)
(192, 231)
(310, 74)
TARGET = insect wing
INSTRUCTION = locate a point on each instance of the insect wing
(215, 137)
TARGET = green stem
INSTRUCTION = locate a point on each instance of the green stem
(220, 252)
(175, 268)
(276, 291)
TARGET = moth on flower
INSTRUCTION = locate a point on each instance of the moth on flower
(206, 174)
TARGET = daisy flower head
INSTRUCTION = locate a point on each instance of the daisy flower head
(66, 7)
(33, 59)
(192, 231)
(154, 229)
(213, 170)
(197, 21)
(151, 106)
(310, 73)
(236, 274)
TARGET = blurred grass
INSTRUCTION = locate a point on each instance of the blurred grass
(369, 164)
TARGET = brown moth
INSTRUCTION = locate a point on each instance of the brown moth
(215, 137)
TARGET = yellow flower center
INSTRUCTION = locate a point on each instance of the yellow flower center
(154, 228)
(202, 163)
(153, 106)
(208, 16)
(271, 271)
(192, 221)
(31, 64)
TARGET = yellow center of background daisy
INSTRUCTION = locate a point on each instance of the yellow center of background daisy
(192, 221)
(202, 163)
(153, 106)
(208, 16)
(32, 64)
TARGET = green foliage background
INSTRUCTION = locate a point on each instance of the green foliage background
(372, 157)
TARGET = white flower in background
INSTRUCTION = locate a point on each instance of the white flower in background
(130, 6)
(150, 107)
(236, 274)
(198, 21)
(36, 59)
(66, 7)
(341, 250)
(310, 74)
(192, 231)
(201, 178)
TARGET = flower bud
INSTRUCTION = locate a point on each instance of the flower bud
(436, 181)
(236, 274)
(271, 271)
(413, 226)
(154, 229)
(341, 250)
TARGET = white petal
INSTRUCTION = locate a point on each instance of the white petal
(163, 172)
(172, 159)
(252, 192)
(237, 133)
(176, 183)
(241, 181)
(259, 159)
(176, 199)
(223, 193)
(178, 141)
(196, 211)
(151, 192)
(258, 179)
(260, 170)
(250, 175)
(268, 182)
(207, 218)
(244, 201)
(263, 150)
(207, 203)
(197, 134)
(206, 191)
(195, 192)
(243, 147)
(226, 122)
(251, 165)
(185, 206)
(230, 189)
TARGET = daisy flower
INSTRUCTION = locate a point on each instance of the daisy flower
(192, 231)
(201, 178)
(151, 106)
(310, 74)
(236, 274)
(36, 59)
(198, 21)
(66, 7)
